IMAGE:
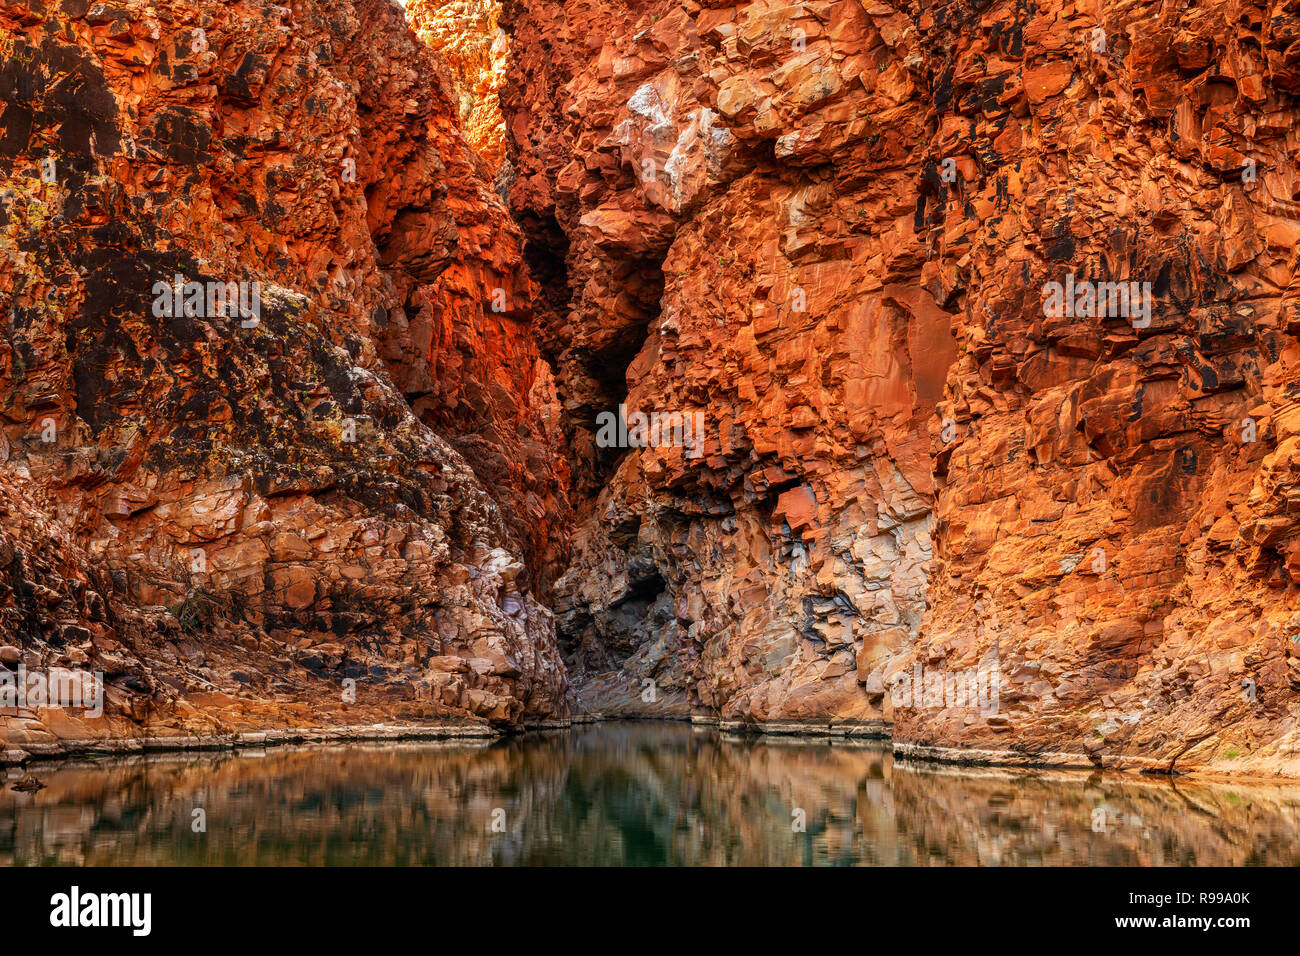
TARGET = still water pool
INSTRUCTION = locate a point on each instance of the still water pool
(622, 793)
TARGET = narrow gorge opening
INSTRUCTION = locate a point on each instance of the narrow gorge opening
(827, 232)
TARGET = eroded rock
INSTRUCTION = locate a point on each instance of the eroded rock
(833, 227)
(293, 508)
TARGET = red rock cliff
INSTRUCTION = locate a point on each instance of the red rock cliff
(832, 229)
(986, 315)
(476, 50)
(231, 512)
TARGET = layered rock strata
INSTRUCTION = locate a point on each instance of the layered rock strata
(1119, 510)
(832, 228)
(326, 502)
(844, 257)
(737, 188)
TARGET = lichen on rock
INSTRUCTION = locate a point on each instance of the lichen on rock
(324, 512)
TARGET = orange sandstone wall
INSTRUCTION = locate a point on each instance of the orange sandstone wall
(737, 189)
(830, 228)
(230, 518)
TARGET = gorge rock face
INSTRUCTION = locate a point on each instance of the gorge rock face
(231, 510)
(737, 186)
(847, 360)
(832, 229)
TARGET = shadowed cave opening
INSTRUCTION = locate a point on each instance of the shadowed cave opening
(546, 251)
(636, 309)
(593, 646)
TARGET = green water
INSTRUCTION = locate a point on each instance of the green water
(642, 794)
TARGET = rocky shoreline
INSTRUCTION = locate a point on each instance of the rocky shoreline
(113, 747)
(792, 732)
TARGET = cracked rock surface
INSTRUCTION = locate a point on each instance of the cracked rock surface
(831, 227)
(230, 517)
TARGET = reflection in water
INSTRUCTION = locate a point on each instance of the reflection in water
(628, 794)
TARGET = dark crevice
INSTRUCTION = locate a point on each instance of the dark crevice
(546, 251)
(606, 364)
